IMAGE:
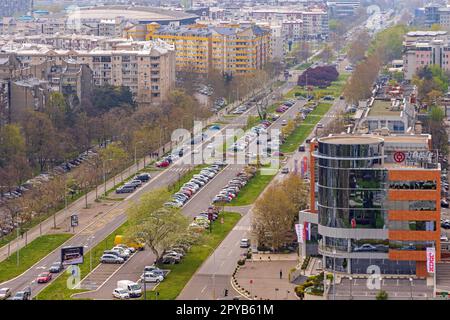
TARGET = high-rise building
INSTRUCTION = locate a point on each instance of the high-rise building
(375, 201)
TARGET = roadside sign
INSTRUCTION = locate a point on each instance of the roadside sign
(431, 260)
(74, 220)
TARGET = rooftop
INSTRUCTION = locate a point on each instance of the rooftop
(351, 139)
(133, 13)
(382, 108)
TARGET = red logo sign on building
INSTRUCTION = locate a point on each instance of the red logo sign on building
(399, 156)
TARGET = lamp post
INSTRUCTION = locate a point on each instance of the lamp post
(351, 284)
(411, 287)
(135, 155)
(104, 173)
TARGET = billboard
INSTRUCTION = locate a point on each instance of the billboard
(71, 255)
(431, 260)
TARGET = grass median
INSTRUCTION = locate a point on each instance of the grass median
(305, 128)
(251, 191)
(31, 254)
(58, 290)
(180, 274)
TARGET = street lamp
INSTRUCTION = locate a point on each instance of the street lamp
(135, 156)
(104, 173)
(351, 283)
(411, 286)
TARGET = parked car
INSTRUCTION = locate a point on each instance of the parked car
(125, 189)
(301, 148)
(56, 267)
(168, 259)
(44, 277)
(151, 277)
(444, 203)
(285, 170)
(144, 177)
(110, 258)
(5, 293)
(120, 294)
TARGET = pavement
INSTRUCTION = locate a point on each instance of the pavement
(262, 279)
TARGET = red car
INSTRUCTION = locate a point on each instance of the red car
(44, 277)
(162, 164)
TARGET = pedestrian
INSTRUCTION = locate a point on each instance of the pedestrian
(281, 273)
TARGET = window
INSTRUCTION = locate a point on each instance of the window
(410, 245)
(413, 225)
(413, 185)
(415, 205)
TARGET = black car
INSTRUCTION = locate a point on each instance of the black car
(144, 177)
(56, 267)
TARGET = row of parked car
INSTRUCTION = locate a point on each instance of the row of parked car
(194, 185)
(285, 106)
(219, 103)
(203, 220)
(118, 254)
(136, 182)
(231, 190)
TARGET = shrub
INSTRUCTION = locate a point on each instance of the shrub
(241, 262)
(382, 295)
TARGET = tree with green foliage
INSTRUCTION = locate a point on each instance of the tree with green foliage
(108, 97)
(435, 126)
(157, 226)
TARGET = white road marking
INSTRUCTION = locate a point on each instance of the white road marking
(204, 288)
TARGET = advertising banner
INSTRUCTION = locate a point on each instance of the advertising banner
(431, 260)
(71, 255)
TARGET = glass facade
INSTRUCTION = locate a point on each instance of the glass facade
(412, 225)
(351, 189)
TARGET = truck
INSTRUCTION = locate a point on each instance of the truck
(119, 239)
(133, 289)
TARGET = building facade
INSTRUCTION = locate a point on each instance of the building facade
(376, 203)
(229, 49)
(147, 68)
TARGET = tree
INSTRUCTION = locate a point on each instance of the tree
(326, 54)
(113, 157)
(297, 191)
(358, 48)
(435, 126)
(159, 227)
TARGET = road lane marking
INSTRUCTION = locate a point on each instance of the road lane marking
(204, 288)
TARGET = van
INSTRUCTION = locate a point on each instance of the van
(119, 239)
(133, 289)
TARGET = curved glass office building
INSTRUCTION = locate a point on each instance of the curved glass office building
(366, 204)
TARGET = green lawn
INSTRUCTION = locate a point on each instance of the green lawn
(31, 254)
(58, 290)
(251, 191)
(180, 274)
(305, 128)
(335, 89)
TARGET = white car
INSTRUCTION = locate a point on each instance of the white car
(151, 277)
(120, 294)
(122, 251)
(132, 250)
(209, 146)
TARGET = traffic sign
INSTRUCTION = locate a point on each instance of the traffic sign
(74, 220)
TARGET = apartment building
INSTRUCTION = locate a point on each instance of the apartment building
(375, 202)
(425, 48)
(146, 67)
(229, 49)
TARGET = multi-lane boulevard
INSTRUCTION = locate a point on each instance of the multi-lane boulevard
(111, 218)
